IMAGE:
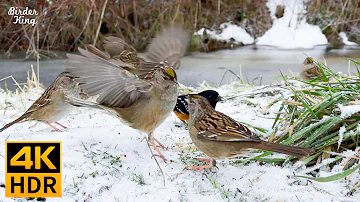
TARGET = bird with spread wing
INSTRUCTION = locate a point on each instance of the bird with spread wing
(142, 95)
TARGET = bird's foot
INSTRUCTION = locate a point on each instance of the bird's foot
(161, 145)
(199, 168)
(162, 157)
(55, 129)
(159, 154)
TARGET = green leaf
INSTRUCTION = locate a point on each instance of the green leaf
(333, 177)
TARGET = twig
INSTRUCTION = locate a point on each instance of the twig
(161, 171)
(86, 22)
(16, 83)
(101, 19)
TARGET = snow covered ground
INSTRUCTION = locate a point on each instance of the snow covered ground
(95, 170)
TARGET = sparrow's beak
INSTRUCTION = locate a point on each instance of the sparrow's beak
(219, 98)
(175, 82)
(187, 98)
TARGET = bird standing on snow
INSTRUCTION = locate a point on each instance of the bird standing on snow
(219, 136)
(52, 105)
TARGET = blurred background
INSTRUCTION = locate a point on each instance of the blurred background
(232, 40)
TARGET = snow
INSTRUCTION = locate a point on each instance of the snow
(345, 40)
(347, 111)
(291, 31)
(229, 31)
(95, 170)
(341, 135)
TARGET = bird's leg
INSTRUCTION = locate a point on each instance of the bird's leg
(55, 129)
(161, 171)
(159, 153)
(151, 141)
(61, 125)
(207, 160)
(212, 164)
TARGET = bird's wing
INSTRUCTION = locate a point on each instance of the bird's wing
(168, 46)
(315, 71)
(217, 126)
(181, 105)
(115, 46)
(96, 76)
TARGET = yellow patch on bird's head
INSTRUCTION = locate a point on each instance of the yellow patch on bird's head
(309, 60)
(169, 73)
(194, 96)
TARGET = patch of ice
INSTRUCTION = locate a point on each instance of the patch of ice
(345, 40)
(229, 31)
(291, 31)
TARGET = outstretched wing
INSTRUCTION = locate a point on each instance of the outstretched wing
(96, 76)
(217, 126)
(168, 47)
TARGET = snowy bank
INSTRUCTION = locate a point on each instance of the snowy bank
(345, 40)
(291, 31)
(229, 31)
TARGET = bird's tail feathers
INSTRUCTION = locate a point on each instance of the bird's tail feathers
(285, 149)
(21, 118)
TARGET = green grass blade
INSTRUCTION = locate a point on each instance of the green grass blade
(335, 177)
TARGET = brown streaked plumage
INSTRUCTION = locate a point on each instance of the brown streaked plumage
(141, 101)
(309, 70)
(52, 105)
(219, 136)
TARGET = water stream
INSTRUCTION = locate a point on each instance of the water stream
(255, 65)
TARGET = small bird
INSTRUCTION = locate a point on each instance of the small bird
(52, 105)
(118, 52)
(181, 107)
(219, 136)
(142, 100)
(309, 70)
